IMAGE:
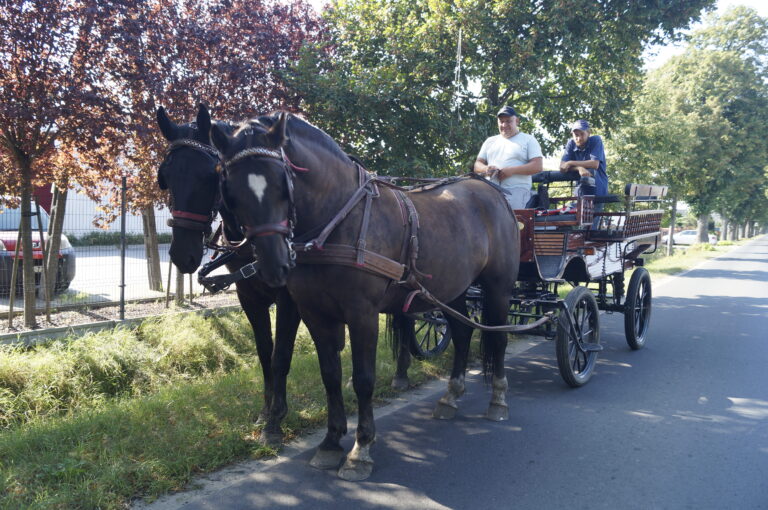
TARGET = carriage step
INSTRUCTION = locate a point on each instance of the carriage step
(592, 347)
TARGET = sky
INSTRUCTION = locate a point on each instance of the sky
(656, 56)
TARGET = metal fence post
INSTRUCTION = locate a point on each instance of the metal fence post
(123, 208)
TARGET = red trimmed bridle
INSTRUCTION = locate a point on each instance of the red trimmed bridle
(185, 219)
(284, 227)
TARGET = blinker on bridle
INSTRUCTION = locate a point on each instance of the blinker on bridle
(284, 227)
(185, 219)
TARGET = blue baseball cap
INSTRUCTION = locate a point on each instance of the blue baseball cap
(507, 110)
(581, 125)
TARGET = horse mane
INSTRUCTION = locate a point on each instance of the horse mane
(299, 127)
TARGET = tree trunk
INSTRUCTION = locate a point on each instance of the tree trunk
(672, 221)
(724, 229)
(702, 223)
(28, 268)
(151, 249)
(55, 227)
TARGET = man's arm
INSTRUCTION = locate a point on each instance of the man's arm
(534, 166)
(571, 165)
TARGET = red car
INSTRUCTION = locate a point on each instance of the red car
(9, 225)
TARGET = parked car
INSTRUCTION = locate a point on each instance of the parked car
(9, 230)
(684, 237)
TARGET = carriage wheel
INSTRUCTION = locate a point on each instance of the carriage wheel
(637, 308)
(432, 335)
(578, 337)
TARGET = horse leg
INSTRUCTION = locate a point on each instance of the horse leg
(328, 337)
(462, 334)
(363, 334)
(285, 336)
(495, 308)
(257, 311)
(403, 330)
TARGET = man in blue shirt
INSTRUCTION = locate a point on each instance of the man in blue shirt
(585, 154)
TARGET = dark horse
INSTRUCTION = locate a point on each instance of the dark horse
(467, 234)
(188, 171)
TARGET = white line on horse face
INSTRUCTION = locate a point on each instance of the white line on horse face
(258, 184)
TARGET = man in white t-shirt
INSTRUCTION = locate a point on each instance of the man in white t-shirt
(510, 158)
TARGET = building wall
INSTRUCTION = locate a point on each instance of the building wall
(81, 212)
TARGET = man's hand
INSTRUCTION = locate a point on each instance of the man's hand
(583, 171)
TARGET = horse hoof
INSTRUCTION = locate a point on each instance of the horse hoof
(272, 439)
(497, 413)
(444, 412)
(400, 383)
(327, 459)
(355, 470)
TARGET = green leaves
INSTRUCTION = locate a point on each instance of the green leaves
(384, 80)
(696, 124)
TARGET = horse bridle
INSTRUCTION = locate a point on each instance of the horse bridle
(185, 219)
(284, 227)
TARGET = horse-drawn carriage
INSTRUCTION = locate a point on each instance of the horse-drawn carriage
(564, 241)
(307, 228)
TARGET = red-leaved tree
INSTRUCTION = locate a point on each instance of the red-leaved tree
(54, 102)
(228, 54)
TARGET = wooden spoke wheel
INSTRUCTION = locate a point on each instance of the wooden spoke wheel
(637, 308)
(433, 334)
(578, 337)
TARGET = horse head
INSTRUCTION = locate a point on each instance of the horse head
(258, 189)
(188, 172)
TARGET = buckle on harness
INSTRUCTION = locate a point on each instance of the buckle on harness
(248, 270)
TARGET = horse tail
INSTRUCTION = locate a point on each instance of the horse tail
(393, 333)
(398, 333)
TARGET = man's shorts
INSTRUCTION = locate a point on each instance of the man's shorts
(517, 197)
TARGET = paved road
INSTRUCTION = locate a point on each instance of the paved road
(680, 424)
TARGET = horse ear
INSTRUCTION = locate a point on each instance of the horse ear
(276, 134)
(204, 121)
(221, 140)
(167, 127)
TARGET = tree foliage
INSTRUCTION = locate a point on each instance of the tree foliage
(385, 81)
(225, 53)
(698, 123)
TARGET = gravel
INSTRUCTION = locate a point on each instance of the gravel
(71, 317)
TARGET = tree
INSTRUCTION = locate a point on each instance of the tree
(53, 99)
(176, 54)
(385, 83)
(697, 124)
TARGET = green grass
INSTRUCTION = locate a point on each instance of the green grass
(99, 420)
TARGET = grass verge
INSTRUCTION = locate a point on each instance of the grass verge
(140, 412)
